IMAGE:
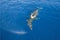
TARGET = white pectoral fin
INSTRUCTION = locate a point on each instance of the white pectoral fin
(37, 18)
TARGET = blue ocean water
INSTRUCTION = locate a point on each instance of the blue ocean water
(14, 13)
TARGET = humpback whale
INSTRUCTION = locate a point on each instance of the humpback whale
(31, 18)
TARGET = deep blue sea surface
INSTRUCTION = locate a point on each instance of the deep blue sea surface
(14, 15)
